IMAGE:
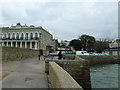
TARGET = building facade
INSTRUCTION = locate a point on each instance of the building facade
(23, 36)
(114, 48)
(114, 44)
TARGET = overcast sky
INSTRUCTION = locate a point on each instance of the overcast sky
(65, 20)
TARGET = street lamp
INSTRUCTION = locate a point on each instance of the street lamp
(39, 41)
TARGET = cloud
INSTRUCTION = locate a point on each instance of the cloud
(65, 20)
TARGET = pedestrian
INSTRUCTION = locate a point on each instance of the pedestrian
(60, 55)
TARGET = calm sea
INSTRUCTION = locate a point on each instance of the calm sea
(104, 76)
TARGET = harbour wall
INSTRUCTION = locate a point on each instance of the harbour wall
(78, 69)
(100, 59)
(59, 78)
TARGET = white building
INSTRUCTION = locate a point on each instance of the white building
(23, 36)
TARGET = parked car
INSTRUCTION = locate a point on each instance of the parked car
(82, 53)
(55, 53)
(92, 53)
(105, 54)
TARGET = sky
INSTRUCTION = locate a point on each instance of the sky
(64, 20)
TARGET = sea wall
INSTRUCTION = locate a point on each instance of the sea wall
(78, 69)
(10, 53)
(100, 59)
(59, 78)
(69, 57)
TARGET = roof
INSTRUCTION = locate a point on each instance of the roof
(24, 27)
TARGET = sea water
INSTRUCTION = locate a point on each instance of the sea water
(104, 76)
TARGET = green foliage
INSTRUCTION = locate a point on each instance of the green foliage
(101, 45)
(63, 45)
(87, 42)
(118, 40)
(76, 44)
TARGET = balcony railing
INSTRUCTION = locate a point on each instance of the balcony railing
(18, 39)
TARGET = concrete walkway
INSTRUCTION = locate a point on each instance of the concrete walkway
(30, 74)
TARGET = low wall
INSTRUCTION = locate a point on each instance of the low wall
(10, 53)
(59, 78)
(100, 59)
(78, 69)
(69, 57)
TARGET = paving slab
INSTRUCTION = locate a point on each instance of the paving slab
(29, 74)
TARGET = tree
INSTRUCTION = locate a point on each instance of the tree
(87, 42)
(76, 44)
(118, 40)
(62, 44)
(99, 46)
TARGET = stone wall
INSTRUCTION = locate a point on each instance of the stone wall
(10, 53)
(0, 55)
(69, 57)
(59, 78)
(78, 69)
(100, 59)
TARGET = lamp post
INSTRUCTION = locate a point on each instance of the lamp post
(39, 40)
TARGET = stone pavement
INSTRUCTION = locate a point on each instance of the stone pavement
(29, 74)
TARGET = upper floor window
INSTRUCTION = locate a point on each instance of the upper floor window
(22, 36)
(0, 36)
(17, 36)
(26, 36)
(31, 36)
(5, 36)
(9, 36)
(13, 36)
(36, 36)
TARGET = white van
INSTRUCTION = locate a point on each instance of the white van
(82, 53)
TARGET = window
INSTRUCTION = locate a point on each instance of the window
(17, 36)
(36, 36)
(13, 36)
(31, 36)
(5, 36)
(0, 36)
(9, 36)
(22, 36)
(26, 36)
